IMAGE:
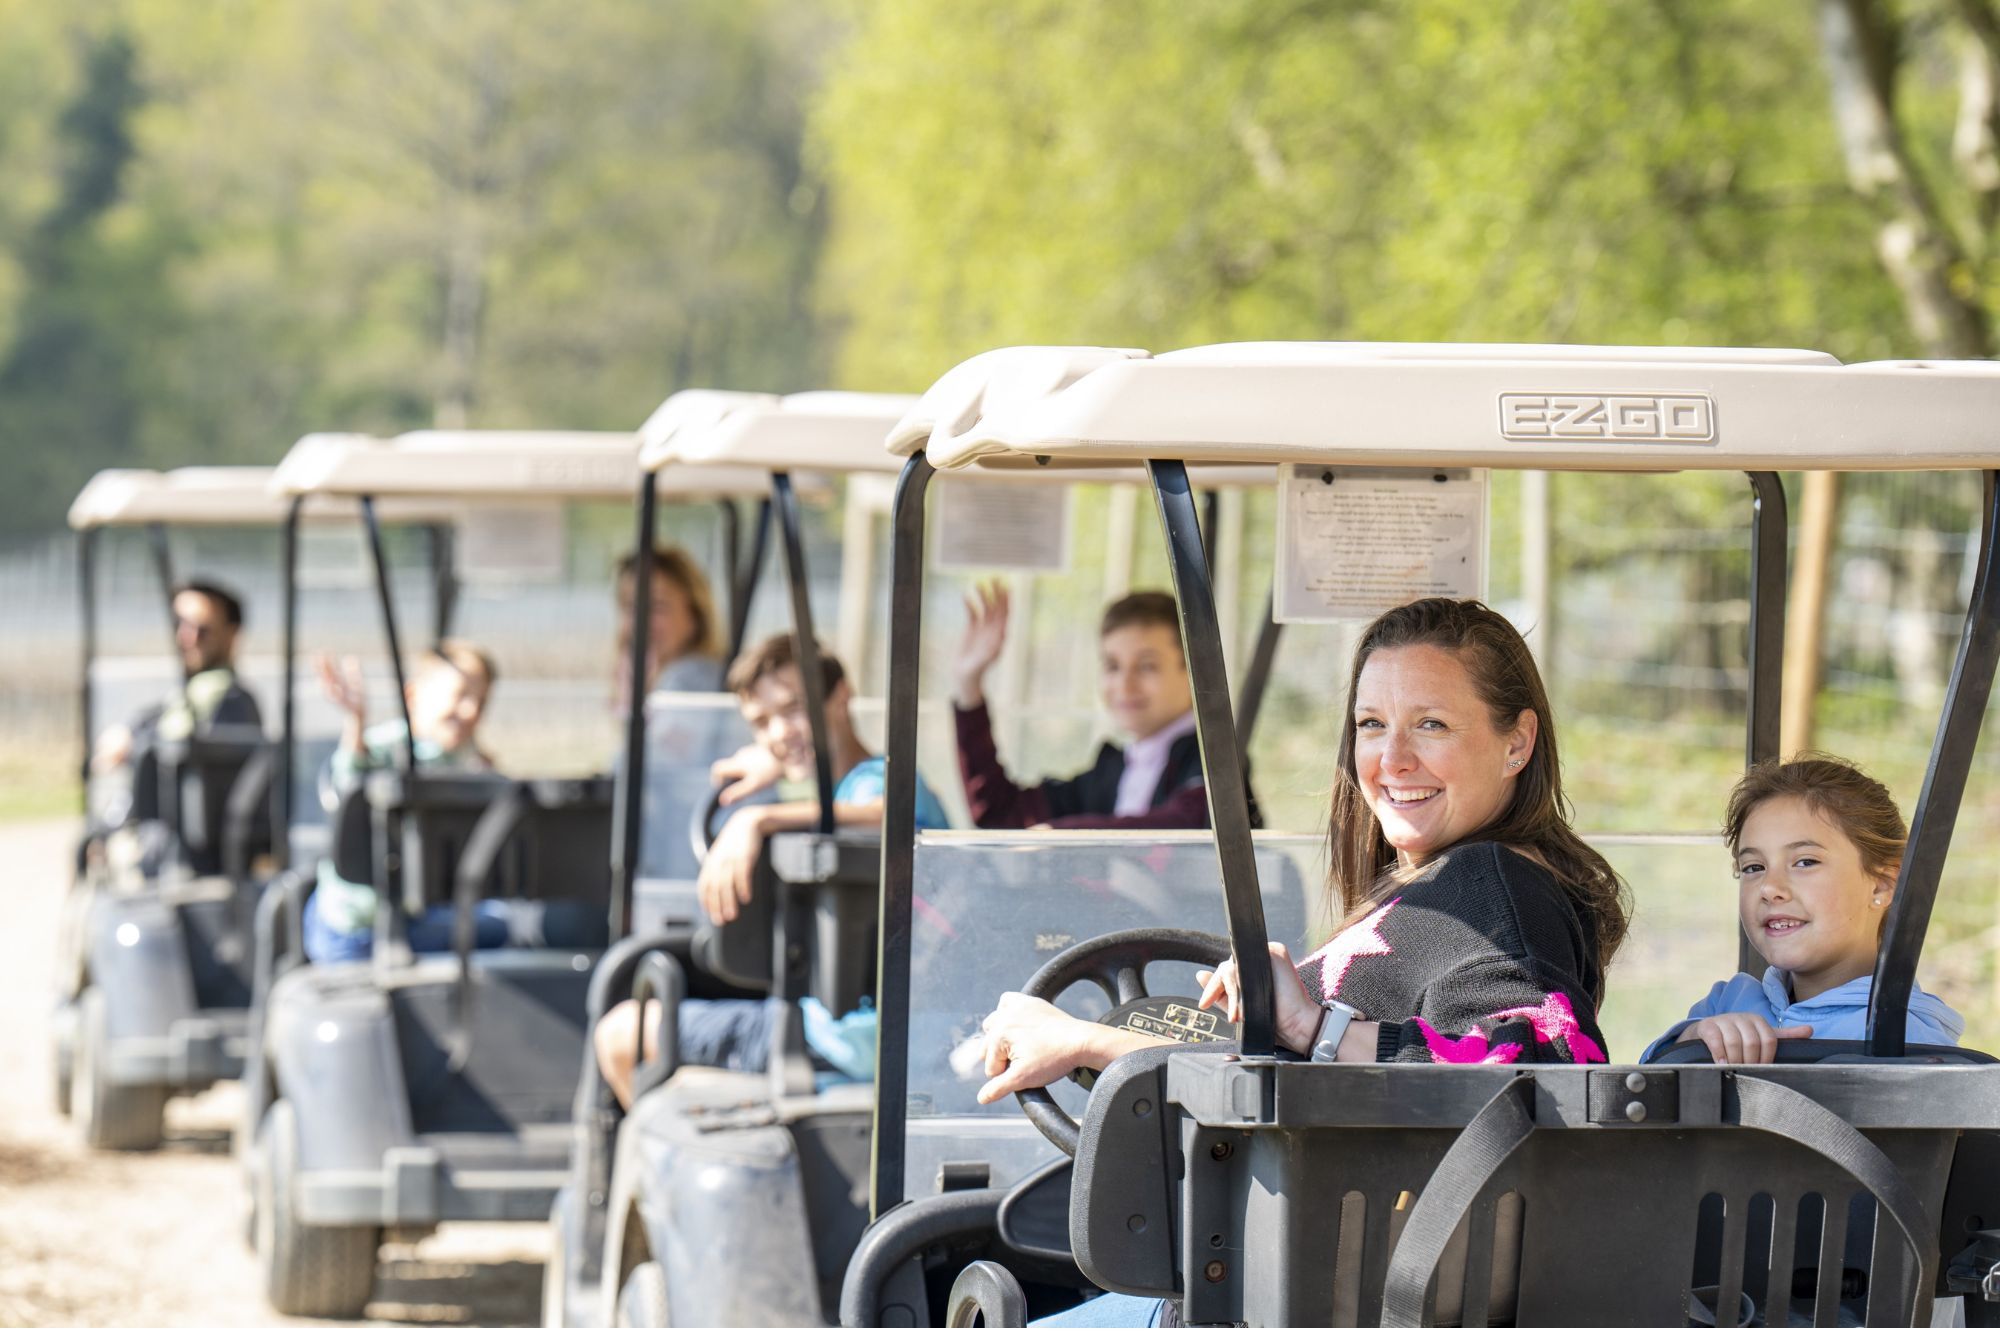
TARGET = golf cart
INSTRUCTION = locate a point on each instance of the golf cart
(392, 1094)
(763, 1168)
(1247, 1187)
(153, 951)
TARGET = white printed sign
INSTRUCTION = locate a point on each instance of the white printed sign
(980, 524)
(511, 543)
(1354, 542)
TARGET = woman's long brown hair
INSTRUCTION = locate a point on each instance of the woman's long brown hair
(1361, 862)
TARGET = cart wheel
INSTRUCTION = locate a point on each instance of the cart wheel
(124, 1117)
(63, 1049)
(314, 1271)
(555, 1273)
(642, 1301)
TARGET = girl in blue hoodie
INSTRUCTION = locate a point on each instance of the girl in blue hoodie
(1816, 844)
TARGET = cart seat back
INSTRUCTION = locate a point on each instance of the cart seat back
(809, 928)
(1326, 1194)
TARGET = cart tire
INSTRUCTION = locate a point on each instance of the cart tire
(642, 1300)
(121, 1117)
(62, 1047)
(310, 1271)
(555, 1274)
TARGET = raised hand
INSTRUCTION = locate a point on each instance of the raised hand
(979, 647)
(344, 685)
(347, 689)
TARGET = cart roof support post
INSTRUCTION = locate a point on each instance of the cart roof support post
(1768, 523)
(732, 555)
(86, 584)
(163, 567)
(745, 587)
(899, 832)
(281, 825)
(444, 580)
(1221, 756)
(1944, 787)
(387, 603)
(627, 802)
(812, 682)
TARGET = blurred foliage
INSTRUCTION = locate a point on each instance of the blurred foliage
(1162, 173)
(230, 224)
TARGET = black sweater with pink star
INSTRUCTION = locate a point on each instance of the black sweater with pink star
(1481, 958)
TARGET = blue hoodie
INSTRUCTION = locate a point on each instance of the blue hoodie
(1840, 1014)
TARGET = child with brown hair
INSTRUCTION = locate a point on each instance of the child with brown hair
(1817, 844)
(447, 693)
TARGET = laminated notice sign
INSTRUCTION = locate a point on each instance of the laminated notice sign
(1354, 542)
(983, 525)
(511, 543)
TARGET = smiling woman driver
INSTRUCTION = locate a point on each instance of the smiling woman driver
(1476, 926)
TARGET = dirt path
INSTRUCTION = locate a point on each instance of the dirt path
(104, 1239)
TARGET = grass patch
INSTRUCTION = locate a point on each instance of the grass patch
(37, 781)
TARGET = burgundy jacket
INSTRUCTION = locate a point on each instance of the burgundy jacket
(1084, 801)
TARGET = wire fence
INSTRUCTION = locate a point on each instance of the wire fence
(1645, 656)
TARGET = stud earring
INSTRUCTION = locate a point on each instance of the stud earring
(1513, 763)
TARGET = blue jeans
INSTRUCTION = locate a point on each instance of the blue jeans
(430, 933)
(734, 1034)
(1112, 1311)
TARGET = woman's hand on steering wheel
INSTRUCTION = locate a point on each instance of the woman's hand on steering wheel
(1298, 1016)
(1030, 1044)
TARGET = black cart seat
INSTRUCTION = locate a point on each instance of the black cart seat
(1285, 1193)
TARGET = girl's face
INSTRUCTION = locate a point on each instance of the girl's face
(446, 705)
(670, 624)
(1808, 903)
(1429, 760)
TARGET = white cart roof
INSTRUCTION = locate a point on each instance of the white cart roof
(824, 431)
(470, 464)
(1459, 404)
(210, 496)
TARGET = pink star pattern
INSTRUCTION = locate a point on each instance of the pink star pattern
(1360, 940)
(1554, 1021)
(1471, 1049)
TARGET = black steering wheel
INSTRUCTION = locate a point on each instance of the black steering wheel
(703, 821)
(1116, 964)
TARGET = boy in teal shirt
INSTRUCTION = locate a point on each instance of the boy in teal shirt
(735, 1034)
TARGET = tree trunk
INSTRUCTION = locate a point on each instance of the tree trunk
(464, 303)
(1805, 614)
(1915, 243)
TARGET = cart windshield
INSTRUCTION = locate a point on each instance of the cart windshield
(992, 908)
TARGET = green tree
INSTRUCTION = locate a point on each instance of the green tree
(91, 297)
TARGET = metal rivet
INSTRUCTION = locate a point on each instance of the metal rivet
(1215, 1241)
(1142, 1107)
(1136, 1222)
(1635, 1082)
(1216, 1270)
(1635, 1111)
(1220, 1151)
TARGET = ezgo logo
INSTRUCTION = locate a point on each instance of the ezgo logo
(1668, 418)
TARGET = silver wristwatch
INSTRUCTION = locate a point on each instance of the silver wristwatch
(1332, 1027)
